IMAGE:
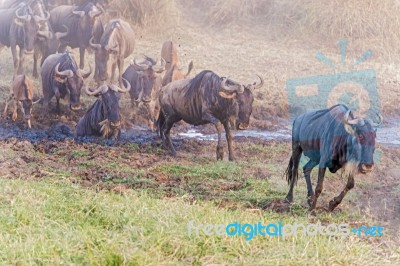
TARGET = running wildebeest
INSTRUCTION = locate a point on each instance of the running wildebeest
(207, 98)
(61, 76)
(19, 26)
(145, 80)
(79, 20)
(22, 96)
(169, 53)
(103, 117)
(116, 44)
(331, 138)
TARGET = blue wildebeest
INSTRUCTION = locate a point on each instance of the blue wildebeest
(207, 98)
(79, 20)
(61, 76)
(116, 44)
(331, 138)
(19, 26)
(145, 80)
(103, 117)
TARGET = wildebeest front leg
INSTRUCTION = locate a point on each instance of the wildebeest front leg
(337, 200)
(82, 57)
(15, 110)
(120, 69)
(229, 139)
(6, 107)
(220, 148)
(35, 73)
(318, 188)
(113, 67)
(307, 174)
(21, 61)
(15, 59)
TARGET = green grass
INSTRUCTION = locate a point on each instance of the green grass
(51, 223)
(54, 220)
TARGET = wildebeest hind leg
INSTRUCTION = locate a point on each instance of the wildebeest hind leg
(307, 174)
(337, 200)
(220, 148)
(169, 122)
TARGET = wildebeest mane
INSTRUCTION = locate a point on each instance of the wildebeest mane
(107, 39)
(209, 83)
(67, 62)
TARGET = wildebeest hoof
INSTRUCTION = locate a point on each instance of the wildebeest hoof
(289, 199)
(332, 205)
(14, 116)
(310, 202)
(220, 153)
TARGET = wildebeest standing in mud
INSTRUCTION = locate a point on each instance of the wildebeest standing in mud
(61, 76)
(79, 20)
(169, 53)
(20, 27)
(145, 80)
(22, 96)
(116, 44)
(207, 98)
(103, 117)
(331, 138)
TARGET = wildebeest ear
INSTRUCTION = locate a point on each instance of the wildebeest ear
(349, 129)
(227, 96)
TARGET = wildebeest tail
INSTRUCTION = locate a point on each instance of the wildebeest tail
(289, 172)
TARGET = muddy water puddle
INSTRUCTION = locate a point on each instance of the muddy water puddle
(387, 134)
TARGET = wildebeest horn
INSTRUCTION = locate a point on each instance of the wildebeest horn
(379, 123)
(60, 35)
(100, 90)
(38, 100)
(160, 68)
(94, 45)
(66, 73)
(354, 121)
(85, 74)
(139, 67)
(258, 86)
(123, 89)
(79, 13)
(237, 88)
(151, 60)
(25, 17)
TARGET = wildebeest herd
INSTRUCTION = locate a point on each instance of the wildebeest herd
(331, 138)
